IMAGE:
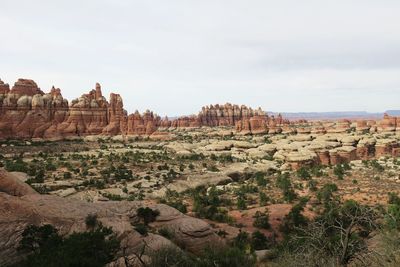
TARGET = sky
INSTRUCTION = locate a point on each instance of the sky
(173, 57)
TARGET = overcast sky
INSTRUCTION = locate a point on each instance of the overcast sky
(175, 56)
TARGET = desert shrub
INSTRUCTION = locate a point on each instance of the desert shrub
(50, 166)
(165, 232)
(392, 216)
(246, 189)
(207, 205)
(212, 168)
(113, 197)
(122, 173)
(325, 194)
(339, 171)
(147, 215)
(16, 165)
(225, 256)
(67, 175)
(241, 203)
(263, 198)
(260, 179)
(47, 248)
(394, 199)
(97, 183)
(261, 220)
(283, 182)
(294, 218)
(317, 171)
(377, 166)
(259, 241)
(91, 221)
(141, 229)
(169, 256)
(303, 173)
(192, 157)
(39, 178)
(334, 238)
(173, 199)
(242, 241)
(211, 256)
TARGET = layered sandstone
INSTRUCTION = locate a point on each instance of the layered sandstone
(27, 112)
(143, 124)
(4, 88)
(226, 115)
(388, 124)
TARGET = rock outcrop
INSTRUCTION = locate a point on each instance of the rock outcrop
(21, 207)
(143, 124)
(25, 87)
(27, 112)
(388, 124)
(4, 88)
(224, 115)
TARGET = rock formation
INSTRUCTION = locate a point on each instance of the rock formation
(388, 124)
(27, 112)
(4, 88)
(224, 115)
(25, 87)
(145, 124)
(22, 206)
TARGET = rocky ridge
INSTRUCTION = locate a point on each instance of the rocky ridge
(27, 112)
(22, 206)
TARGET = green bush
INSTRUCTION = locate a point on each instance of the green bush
(295, 218)
(259, 241)
(260, 179)
(241, 203)
(147, 214)
(165, 232)
(283, 182)
(340, 170)
(207, 204)
(225, 256)
(88, 249)
(263, 198)
(17, 165)
(325, 194)
(303, 173)
(261, 220)
(141, 229)
(91, 221)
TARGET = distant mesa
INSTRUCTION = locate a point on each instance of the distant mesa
(393, 112)
(27, 112)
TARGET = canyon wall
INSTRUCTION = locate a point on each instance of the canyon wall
(27, 112)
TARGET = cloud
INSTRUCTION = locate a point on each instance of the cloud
(176, 56)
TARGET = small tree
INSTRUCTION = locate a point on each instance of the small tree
(259, 241)
(241, 203)
(261, 220)
(283, 182)
(263, 198)
(303, 173)
(91, 221)
(339, 171)
(147, 214)
(294, 218)
(47, 248)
